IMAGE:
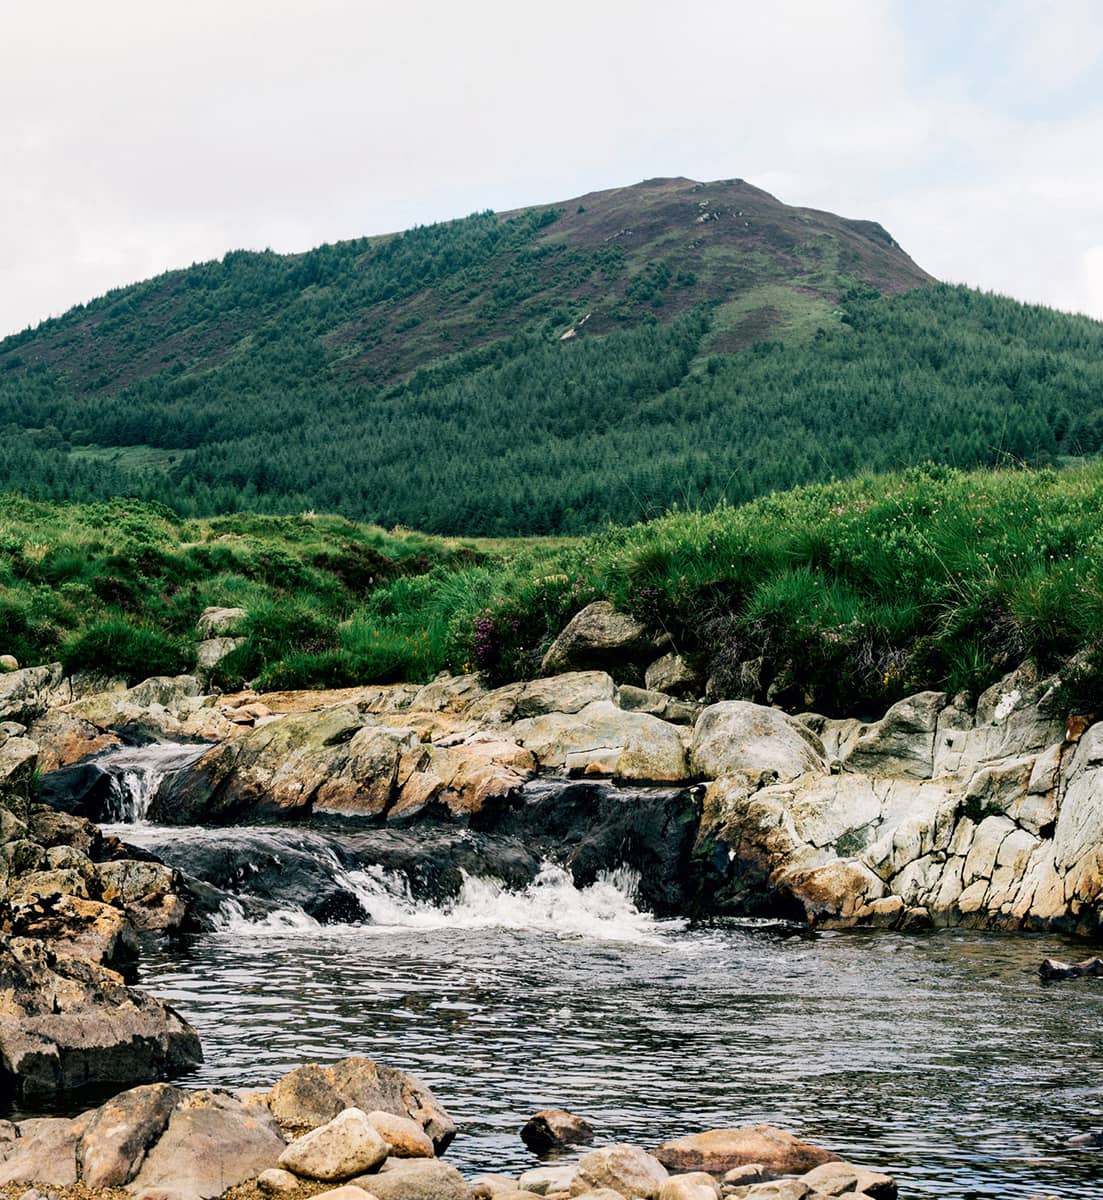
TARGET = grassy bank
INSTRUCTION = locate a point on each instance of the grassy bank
(843, 596)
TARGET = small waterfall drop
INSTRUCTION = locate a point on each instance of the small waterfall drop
(135, 775)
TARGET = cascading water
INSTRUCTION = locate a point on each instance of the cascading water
(135, 774)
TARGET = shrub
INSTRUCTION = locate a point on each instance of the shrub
(114, 646)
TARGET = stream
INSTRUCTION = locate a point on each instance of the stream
(940, 1058)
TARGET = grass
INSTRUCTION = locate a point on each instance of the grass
(848, 595)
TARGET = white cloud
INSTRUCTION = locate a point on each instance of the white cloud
(137, 137)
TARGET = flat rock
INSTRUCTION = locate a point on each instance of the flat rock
(629, 1170)
(416, 1179)
(346, 1146)
(44, 1152)
(720, 1150)
(842, 1178)
(213, 1141)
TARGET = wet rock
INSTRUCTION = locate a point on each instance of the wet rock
(120, 1133)
(1053, 968)
(212, 1142)
(739, 738)
(552, 1128)
(415, 1179)
(841, 1178)
(720, 1150)
(311, 1095)
(542, 1180)
(44, 1152)
(598, 638)
(1093, 1140)
(67, 1023)
(694, 1185)
(277, 1182)
(346, 1146)
(404, 1138)
(621, 1168)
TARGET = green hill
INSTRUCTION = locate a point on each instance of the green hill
(542, 371)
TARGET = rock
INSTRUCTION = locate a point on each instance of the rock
(121, 1132)
(277, 1182)
(482, 1187)
(552, 1128)
(212, 1143)
(903, 741)
(604, 739)
(567, 693)
(404, 1138)
(658, 704)
(24, 694)
(748, 1173)
(8, 662)
(1053, 968)
(415, 1179)
(44, 1152)
(64, 738)
(543, 1180)
(346, 1146)
(694, 1185)
(152, 895)
(67, 1023)
(739, 738)
(674, 676)
(215, 621)
(348, 1191)
(75, 927)
(311, 1095)
(622, 1168)
(721, 1150)
(841, 1178)
(598, 638)
(211, 651)
(18, 763)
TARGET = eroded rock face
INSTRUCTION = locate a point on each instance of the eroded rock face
(67, 1023)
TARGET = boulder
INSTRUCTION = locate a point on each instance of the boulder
(25, 694)
(44, 1152)
(553, 1128)
(598, 638)
(215, 621)
(694, 1185)
(212, 1142)
(67, 1023)
(567, 693)
(542, 1180)
(903, 741)
(311, 1095)
(415, 1179)
(843, 1179)
(278, 1182)
(346, 1146)
(720, 1150)
(120, 1133)
(8, 662)
(658, 704)
(211, 651)
(736, 737)
(674, 676)
(404, 1138)
(621, 1168)
(64, 738)
(153, 896)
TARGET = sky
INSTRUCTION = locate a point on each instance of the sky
(138, 136)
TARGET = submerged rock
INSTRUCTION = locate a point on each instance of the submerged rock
(1053, 968)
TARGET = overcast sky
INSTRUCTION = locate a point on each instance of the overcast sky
(139, 135)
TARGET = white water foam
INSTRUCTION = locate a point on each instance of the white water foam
(136, 774)
(551, 904)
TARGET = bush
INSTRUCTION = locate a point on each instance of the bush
(116, 647)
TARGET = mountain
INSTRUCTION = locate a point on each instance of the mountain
(541, 371)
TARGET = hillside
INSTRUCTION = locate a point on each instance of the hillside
(542, 371)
